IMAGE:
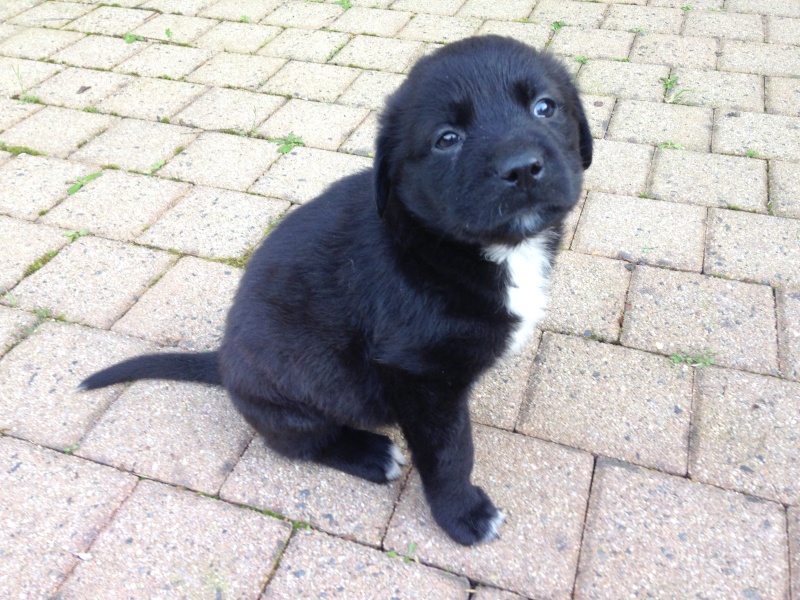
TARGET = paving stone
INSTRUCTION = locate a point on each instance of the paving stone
(794, 549)
(784, 188)
(182, 7)
(6, 30)
(180, 433)
(111, 20)
(311, 81)
(672, 312)
(304, 173)
(316, 565)
(788, 8)
(587, 296)
(92, 281)
(51, 14)
(80, 88)
(222, 160)
(644, 19)
(610, 400)
(700, 4)
(533, 34)
(499, 394)
(651, 534)
(53, 508)
(215, 223)
(165, 60)
(675, 50)
(328, 499)
(15, 7)
(237, 70)
(237, 37)
(770, 136)
(32, 184)
(56, 131)
(762, 59)
(383, 54)
(18, 75)
(490, 593)
(726, 25)
(598, 111)
(362, 140)
(187, 307)
(14, 325)
(435, 7)
(618, 167)
(656, 123)
(623, 80)
(182, 29)
(40, 374)
(497, 9)
(744, 434)
(22, 243)
(783, 96)
(151, 99)
(4, 156)
(154, 547)
(593, 43)
(310, 46)
(136, 145)
(117, 205)
(371, 21)
(320, 125)
(35, 43)
(570, 224)
(234, 10)
(718, 89)
(371, 89)
(438, 28)
(756, 248)
(306, 15)
(783, 30)
(14, 111)
(577, 14)
(710, 180)
(541, 487)
(98, 52)
(230, 110)
(642, 230)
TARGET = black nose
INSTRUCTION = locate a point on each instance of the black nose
(522, 170)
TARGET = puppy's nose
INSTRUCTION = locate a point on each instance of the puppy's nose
(522, 171)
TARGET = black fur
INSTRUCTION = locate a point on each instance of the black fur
(348, 319)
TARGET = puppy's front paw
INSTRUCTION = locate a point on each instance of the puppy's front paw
(470, 519)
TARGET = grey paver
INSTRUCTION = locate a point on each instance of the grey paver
(35, 43)
(117, 205)
(80, 88)
(788, 305)
(304, 173)
(40, 374)
(152, 99)
(237, 37)
(623, 80)
(790, 8)
(233, 10)
(236, 70)
(328, 499)
(92, 281)
(111, 20)
(730, 25)
(533, 34)
(32, 184)
(15, 7)
(756, 248)
(598, 111)
(642, 230)
(222, 160)
(744, 434)
(311, 81)
(654, 123)
(187, 307)
(619, 167)
(541, 487)
(182, 29)
(794, 549)
(687, 313)
(783, 96)
(587, 296)
(644, 19)
(183, 7)
(232, 110)
(675, 50)
(498, 9)
(136, 145)
(18, 75)
(308, 15)
(317, 566)
(762, 59)
(154, 546)
(718, 89)
(594, 43)
(770, 136)
(371, 21)
(56, 131)
(51, 14)
(320, 125)
(22, 243)
(14, 325)
(577, 14)
(435, 7)
(371, 89)
(644, 527)
(710, 179)
(180, 433)
(98, 52)
(303, 44)
(610, 400)
(165, 60)
(13, 111)
(439, 28)
(215, 223)
(6, 30)
(362, 140)
(53, 508)
(784, 188)
(783, 30)
(384, 54)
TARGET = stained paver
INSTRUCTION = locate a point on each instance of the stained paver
(675, 50)
(759, 58)
(658, 124)
(311, 81)
(765, 135)
(231, 110)
(717, 89)
(80, 88)
(619, 167)
(153, 99)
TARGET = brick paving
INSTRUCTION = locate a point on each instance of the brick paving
(646, 442)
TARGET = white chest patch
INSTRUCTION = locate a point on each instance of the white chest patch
(528, 267)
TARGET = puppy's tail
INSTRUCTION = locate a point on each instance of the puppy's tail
(177, 366)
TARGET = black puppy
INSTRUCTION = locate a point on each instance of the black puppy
(349, 318)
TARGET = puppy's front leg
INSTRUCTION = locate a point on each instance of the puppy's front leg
(440, 438)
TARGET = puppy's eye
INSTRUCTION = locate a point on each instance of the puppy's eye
(544, 108)
(448, 140)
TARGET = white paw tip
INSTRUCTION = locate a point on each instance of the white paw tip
(393, 471)
(397, 456)
(494, 527)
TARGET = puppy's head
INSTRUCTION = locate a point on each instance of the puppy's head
(485, 142)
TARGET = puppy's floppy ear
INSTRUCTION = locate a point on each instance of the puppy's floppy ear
(585, 135)
(382, 171)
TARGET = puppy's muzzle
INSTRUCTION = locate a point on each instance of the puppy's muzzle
(522, 170)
